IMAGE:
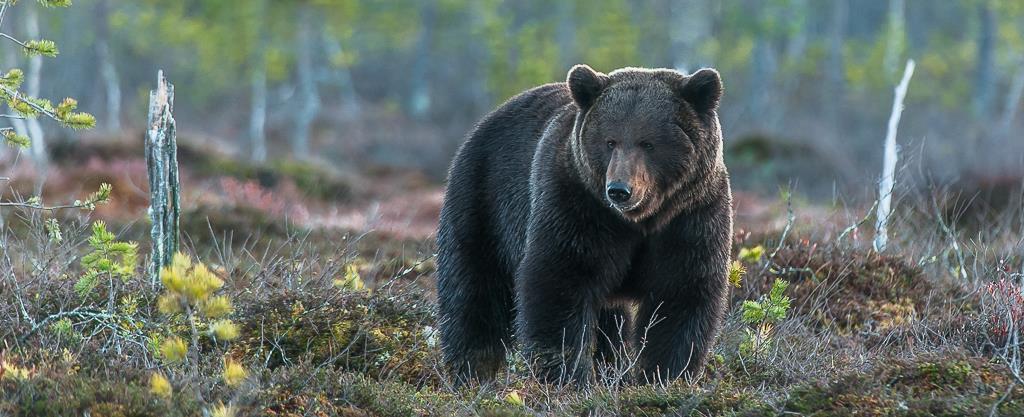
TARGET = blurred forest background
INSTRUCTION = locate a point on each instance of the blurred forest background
(364, 85)
(313, 140)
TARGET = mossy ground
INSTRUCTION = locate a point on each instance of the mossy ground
(868, 334)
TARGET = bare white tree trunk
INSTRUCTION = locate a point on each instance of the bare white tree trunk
(885, 186)
(310, 106)
(35, 68)
(108, 71)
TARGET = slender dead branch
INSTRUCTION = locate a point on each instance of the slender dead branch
(885, 186)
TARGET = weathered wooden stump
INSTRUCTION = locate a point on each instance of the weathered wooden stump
(162, 166)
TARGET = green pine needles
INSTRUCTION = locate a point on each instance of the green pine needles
(24, 106)
(761, 317)
(110, 259)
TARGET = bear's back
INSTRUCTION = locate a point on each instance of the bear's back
(491, 172)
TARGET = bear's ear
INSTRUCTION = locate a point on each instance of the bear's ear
(585, 84)
(703, 90)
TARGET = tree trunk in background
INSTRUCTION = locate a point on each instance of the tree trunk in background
(565, 33)
(35, 69)
(258, 92)
(310, 101)
(419, 100)
(258, 111)
(1013, 98)
(984, 77)
(479, 54)
(688, 28)
(894, 43)
(836, 70)
(763, 74)
(343, 76)
(108, 71)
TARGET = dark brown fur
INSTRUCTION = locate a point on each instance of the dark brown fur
(529, 234)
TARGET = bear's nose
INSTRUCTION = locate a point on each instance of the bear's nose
(618, 192)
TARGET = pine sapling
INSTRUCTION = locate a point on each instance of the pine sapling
(761, 317)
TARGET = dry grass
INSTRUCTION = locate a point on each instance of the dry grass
(920, 330)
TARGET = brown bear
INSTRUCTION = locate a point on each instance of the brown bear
(577, 206)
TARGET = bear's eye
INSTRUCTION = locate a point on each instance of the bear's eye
(611, 144)
(647, 145)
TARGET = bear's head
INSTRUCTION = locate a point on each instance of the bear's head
(643, 136)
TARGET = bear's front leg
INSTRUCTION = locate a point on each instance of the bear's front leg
(684, 292)
(556, 317)
(676, 331)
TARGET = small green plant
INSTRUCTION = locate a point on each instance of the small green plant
(352, 279)
(751, 255)
(110, 260)
(761, 317)
(736, 273)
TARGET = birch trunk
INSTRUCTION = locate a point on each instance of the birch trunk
(1013, 98)
(985, 77)
(35, 69)
(108, 71)
(420, 99)
(258, 113)
(310, 104)
(888, 181)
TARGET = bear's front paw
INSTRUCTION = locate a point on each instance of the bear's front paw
(557, 366)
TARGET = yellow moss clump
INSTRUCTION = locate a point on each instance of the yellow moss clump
(224, 330)
(222, 410)
(234, 373)
(13, 371)
(190, 292)
(160, 386)
(173, 349)
(190, 288)
(352, 279)
(217, 307)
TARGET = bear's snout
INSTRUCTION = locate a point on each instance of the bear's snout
(618, 192)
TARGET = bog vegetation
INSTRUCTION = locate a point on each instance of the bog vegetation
(307, 290)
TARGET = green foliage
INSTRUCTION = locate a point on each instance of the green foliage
(53, 230)
(761, 316)
(109, 258)
(42, 47)
(12, 79)
(352, 280)
(101, 196)
(12, 138)
(736, 272)
(29, 107)
(55, 3)
(751, 255)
